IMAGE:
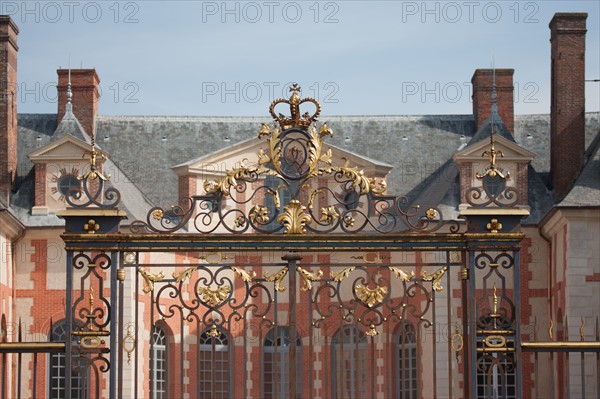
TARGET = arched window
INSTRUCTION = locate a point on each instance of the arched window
(58, 372)
(159, 363)
(276, 363)
(348, 363)
(214, 363)
(406, 361)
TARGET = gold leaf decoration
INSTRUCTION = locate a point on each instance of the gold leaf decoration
(150, 279)
(401, 274)
(214, 297)
(243, 274)
(278, 278)
(157, 214)
(184, 275)
(294, 218)
(240, 221)
(339, 276)
(329, 214)
(370, 296)
(435, 278)
(259, 214)
(308, 277)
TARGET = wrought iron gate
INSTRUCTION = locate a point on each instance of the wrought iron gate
(294, 277)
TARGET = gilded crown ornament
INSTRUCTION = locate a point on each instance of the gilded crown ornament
(295, 120)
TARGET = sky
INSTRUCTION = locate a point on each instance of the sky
(216, 58)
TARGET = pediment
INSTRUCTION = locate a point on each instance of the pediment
(218, 163)
(67, 148)
(511, 150)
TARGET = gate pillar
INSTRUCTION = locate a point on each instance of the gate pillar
(91, 304)
(493, 302)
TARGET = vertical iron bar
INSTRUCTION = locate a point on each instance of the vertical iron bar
(245, 364)
(199, 363)
(567, 356)
(357, 340)
(582, 374)
(114, 325)
(121, 325)
(471, 372)
(19, 365)
(136, 329)
(449, 324)
(181, 353)
(35, 374)
(292, 259)
(517, 290)
(4, 376)
(151, 362)
(69, 315)
(311, 359)
(434, 341)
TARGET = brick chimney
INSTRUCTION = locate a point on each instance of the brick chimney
(482, 81)
(8, 106)
(567, 108)
(84, 84)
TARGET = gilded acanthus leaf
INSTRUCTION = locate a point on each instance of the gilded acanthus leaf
(294, 218)
(278, 278)
(223, 185)
(370, 296)
(214, 297)
(243, 274)
(435, 278)
(308, 277)
(184, 275)
(150, 279)
(401, 274)
(339, 276)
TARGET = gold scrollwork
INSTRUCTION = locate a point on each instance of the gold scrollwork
(129, 343)
(214, 297)
(91, 342)
(370, 296)
(278, 278)
(294, 218)
(342, 274)
(435, 278)
(213, 258)
(308, 277)
(243, 274)
(401, 274)
(150, 279)
(457, 342)
(490, 341)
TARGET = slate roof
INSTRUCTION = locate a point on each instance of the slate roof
(586, 190)
(134, 202)
(144, 148)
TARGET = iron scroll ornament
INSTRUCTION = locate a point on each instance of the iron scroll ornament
(296, 163)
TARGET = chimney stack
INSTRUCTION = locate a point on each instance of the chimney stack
(8, 106)
(85, 87)
(567, 108)
(482, 82)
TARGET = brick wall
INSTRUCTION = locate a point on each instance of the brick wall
(567, 109)
(8, 105)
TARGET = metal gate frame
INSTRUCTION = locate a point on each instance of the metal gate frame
(368, 220)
